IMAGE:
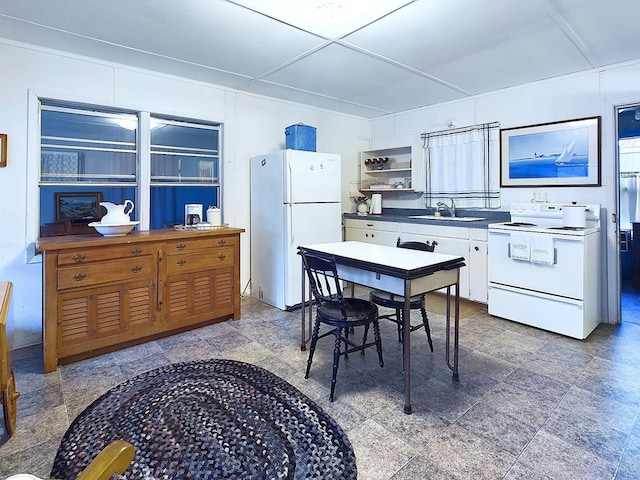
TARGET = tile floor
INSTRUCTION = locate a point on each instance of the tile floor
(529, 405)
(630, 303)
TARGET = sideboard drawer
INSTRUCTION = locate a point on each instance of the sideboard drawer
(200, 260)
(190, 245)
(105, 272)
(88, 255)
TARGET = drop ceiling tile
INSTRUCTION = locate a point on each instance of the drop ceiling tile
(92, 49)
(343, 73)
(215, 34)
(488, 46)
(313, 99)
(609, 30)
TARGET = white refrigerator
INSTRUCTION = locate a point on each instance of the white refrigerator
(295, 200)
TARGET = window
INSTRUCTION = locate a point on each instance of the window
(463, 164)
(185, 168)
(89, 149)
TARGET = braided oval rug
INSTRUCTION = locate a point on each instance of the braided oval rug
(210, 419)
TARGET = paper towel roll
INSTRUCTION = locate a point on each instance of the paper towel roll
(376, 204)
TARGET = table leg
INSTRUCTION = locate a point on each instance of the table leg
(303, 312)
(456, 330)
(406, 342)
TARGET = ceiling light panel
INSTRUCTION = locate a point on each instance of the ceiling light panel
(331, 19)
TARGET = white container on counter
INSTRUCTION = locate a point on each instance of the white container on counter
(376, 204)
(574, 216)
(214, 216)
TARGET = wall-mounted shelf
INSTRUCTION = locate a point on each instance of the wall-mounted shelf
(399, 169)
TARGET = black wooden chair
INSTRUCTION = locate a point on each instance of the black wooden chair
(338, 312)
(396, 302)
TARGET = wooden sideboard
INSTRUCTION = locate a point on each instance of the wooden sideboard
(9, 395)
(105, 293)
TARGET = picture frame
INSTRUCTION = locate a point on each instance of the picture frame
(3, 149)
(555, 154)
(78, 207)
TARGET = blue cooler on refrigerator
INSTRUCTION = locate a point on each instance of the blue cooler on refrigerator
(300, 137)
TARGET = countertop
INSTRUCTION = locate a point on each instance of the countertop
(403, 215)
(97, 240)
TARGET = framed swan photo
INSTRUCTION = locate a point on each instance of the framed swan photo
(557, 154)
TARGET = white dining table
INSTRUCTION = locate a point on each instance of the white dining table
(401, 271)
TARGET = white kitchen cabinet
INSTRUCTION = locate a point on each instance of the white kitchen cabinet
(372, 231)
(450, 240)
(403, 170)
(478, 279)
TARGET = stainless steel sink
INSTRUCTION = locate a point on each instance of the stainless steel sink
(451, 219)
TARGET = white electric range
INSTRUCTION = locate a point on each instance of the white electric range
(544, 274)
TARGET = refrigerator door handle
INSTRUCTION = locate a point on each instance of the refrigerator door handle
(289, 190)
(290, 223)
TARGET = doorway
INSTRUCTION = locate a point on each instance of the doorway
(628, 140)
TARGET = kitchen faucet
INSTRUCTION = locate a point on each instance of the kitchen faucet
(451, 209)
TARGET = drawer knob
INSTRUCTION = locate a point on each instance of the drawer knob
(136, 269)
(78, 258)
(222, 256)
(222, 242)
(135, 252)
(78, 277)
(181, 246)
(181, 262)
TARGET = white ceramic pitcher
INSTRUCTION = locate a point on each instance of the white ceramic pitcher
(117, 214)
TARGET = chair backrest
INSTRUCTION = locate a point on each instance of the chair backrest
(424, 246)
(323, 278)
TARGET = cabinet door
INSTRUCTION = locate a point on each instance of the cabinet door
(139, 307)
(450, 246)
(478, 280)
(177, 297)
(104, 316)
(200, 296)
(223, 291)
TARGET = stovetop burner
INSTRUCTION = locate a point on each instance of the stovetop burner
(520, 224)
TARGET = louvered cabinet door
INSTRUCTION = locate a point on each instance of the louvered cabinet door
(99, 317)
(87, 316)
(224, 292)
(139, 306)
(177, 305)
(199, 296)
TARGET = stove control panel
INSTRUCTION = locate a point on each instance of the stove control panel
(550, 214)
(536, 210)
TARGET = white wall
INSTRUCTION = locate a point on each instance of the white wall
(252, 125)
(589, 94)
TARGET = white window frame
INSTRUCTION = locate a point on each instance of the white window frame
(143, 184)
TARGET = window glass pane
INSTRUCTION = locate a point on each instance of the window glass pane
(184, 153)
(49, 209)
(167, 203)
(87, 146)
